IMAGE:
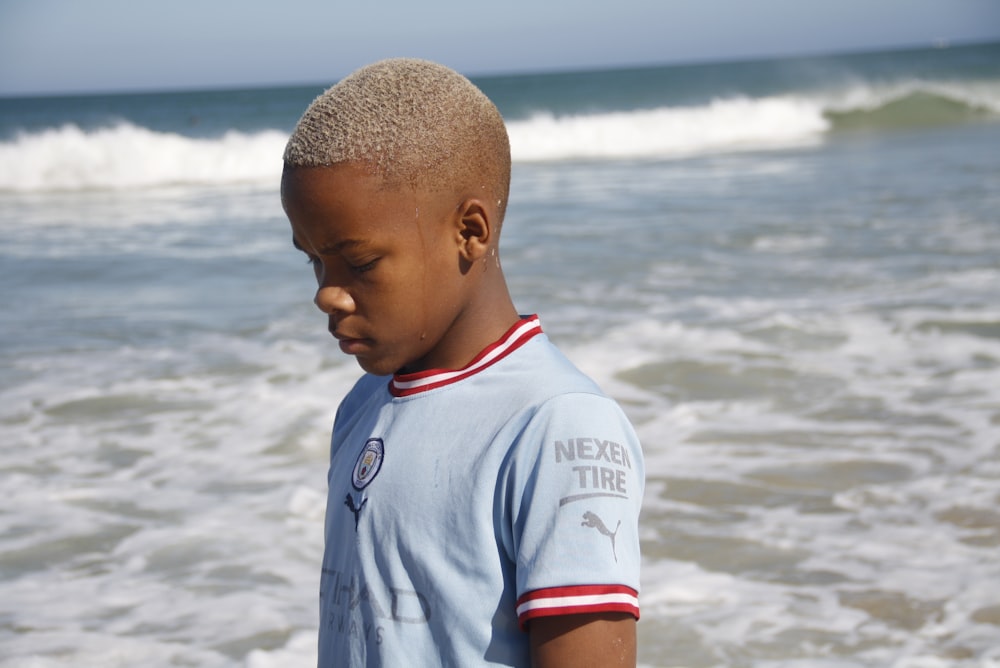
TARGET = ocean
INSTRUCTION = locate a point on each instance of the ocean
(786, 271)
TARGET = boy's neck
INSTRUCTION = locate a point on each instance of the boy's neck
(482, 322)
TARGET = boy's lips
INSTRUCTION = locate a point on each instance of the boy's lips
(351, 345)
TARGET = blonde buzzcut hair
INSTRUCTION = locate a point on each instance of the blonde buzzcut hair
(410, 122)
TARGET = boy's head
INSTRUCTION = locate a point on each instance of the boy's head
(411, 122)
(395, 185)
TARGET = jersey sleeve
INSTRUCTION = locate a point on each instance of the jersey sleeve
(574, 493)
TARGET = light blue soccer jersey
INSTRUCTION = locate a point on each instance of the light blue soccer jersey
(464, 504)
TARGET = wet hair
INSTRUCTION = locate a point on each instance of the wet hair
(410, 122)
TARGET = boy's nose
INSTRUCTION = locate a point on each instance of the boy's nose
(331, 299)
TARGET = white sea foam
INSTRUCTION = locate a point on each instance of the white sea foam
(724, 125)
(126, 156)
(842, 495)
(123, 500)
(865, 96)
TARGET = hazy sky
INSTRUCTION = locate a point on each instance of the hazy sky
(103, 45)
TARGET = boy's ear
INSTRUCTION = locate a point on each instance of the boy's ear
(475, 229)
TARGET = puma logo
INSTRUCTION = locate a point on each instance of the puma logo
(349, 502)
(592, 520)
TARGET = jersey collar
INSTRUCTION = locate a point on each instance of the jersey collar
(405, 385)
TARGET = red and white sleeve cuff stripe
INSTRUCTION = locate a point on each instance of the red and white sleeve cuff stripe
(576, 599)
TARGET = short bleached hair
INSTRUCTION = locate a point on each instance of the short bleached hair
(410, 122)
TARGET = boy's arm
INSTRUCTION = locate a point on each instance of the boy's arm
(599, 639)
(575, 493)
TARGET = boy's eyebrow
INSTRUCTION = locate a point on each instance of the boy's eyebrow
(333, 248)
(340, 245)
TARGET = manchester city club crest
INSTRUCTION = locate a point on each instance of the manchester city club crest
(368, 464)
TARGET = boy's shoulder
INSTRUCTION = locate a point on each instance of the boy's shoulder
(543, 370)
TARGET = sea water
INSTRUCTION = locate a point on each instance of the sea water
(787, 272)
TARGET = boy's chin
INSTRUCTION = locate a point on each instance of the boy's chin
(376, 367)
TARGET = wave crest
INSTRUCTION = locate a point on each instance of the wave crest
(126, 156)
(723, 125)
(914, 104)
(743, 123)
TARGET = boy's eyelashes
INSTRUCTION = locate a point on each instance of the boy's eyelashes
(362, 268)
(358, 268)
(312, 260)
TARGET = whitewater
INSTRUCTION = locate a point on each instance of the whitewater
(124, 155)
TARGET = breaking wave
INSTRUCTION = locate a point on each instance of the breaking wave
(127, 156)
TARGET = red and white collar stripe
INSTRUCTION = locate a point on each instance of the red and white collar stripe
(404, 385)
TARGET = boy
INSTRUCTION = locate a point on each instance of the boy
(483, 493)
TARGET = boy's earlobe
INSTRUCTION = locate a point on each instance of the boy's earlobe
(475, 230)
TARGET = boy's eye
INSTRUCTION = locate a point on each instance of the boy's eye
(362, 268)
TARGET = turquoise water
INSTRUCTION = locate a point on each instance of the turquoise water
(786, 271)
